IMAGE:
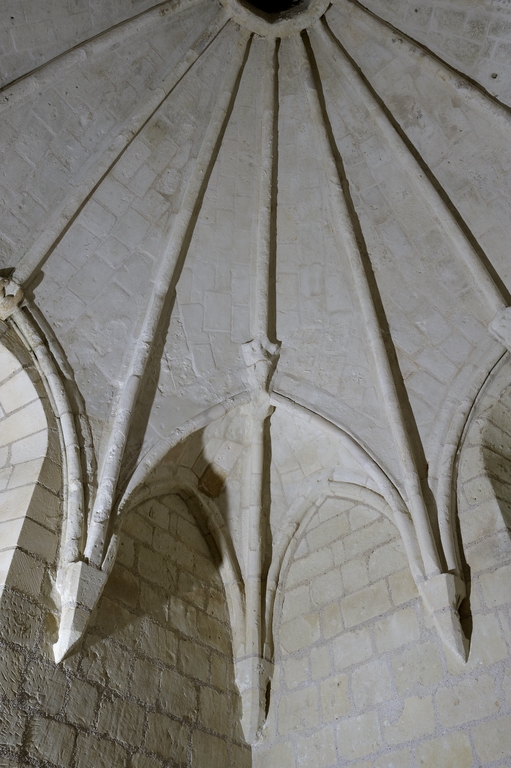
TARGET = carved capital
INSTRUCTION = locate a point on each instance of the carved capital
(261, 357)
(80, 586)
(11, 296)
(442, 596)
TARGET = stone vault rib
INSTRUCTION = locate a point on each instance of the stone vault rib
(261, 356)
(441, 591)
(71, 207)
(453, 224)
(469, 252)
(385, 486)
(475, 90)
(88, 578)
(349, 230)
(67, 59)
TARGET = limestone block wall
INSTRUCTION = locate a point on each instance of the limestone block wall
(153, 684)
(30, 474)
(363, 679)
(271, 275)
(209, 462)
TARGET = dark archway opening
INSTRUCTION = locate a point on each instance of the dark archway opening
(272, 7)
(272, 10)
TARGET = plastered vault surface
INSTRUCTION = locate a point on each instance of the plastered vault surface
(255, 384)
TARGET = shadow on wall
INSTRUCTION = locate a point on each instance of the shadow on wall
(159, 649)
(485, 486)
(152, 685)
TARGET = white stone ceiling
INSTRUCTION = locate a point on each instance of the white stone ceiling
(101, 149)
(181, 182)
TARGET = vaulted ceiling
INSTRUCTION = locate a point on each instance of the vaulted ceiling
(132, 171)
(331, 185)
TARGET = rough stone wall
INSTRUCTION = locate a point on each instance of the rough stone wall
(363, 679)
(153, 684)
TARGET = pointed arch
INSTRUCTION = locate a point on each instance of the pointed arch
(214, 530)
(375, 476)
(304, 511)
(483, 469)
(31, 480)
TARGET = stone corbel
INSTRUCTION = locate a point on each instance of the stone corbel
(261, 356)
(442, 596)
(80, 586)
(11, 296)
(253, 678)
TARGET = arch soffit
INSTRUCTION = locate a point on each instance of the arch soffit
(25, 412)
(447, 437)
(28, 437)
(486, 436)
(304, 511)
(371, 471)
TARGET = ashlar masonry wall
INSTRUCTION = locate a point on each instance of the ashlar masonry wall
(362, 677)
(153, 683)
(30, 473)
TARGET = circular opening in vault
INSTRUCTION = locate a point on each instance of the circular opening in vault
(273, 10)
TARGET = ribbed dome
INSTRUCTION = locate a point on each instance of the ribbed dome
(273, 9)
(143, 174)
(166, 191)
(263, 206)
